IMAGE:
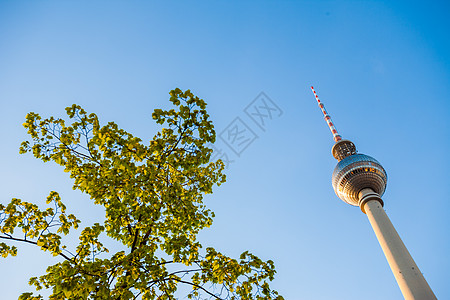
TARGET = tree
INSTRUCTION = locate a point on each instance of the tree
(153, 200)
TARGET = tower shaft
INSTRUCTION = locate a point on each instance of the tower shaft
(408, 276)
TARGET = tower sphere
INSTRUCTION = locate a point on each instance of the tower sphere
(355, 173)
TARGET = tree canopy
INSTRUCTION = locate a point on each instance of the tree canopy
(152, 196)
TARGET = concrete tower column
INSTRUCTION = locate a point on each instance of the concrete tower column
(409, 278)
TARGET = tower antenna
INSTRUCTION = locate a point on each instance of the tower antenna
(336, 136)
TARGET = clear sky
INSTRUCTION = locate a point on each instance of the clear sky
(382, 68)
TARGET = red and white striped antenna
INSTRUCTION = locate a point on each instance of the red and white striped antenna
(336, 136)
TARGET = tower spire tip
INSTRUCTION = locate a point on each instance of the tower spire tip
(336, 136)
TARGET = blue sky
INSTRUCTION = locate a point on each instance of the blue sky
(382, 68)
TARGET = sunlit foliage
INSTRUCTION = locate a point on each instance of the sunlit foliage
(153, 200)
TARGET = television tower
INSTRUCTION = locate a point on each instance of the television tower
(360, 180)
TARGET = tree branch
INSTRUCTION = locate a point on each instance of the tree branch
(197, 286)
(33, 243)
